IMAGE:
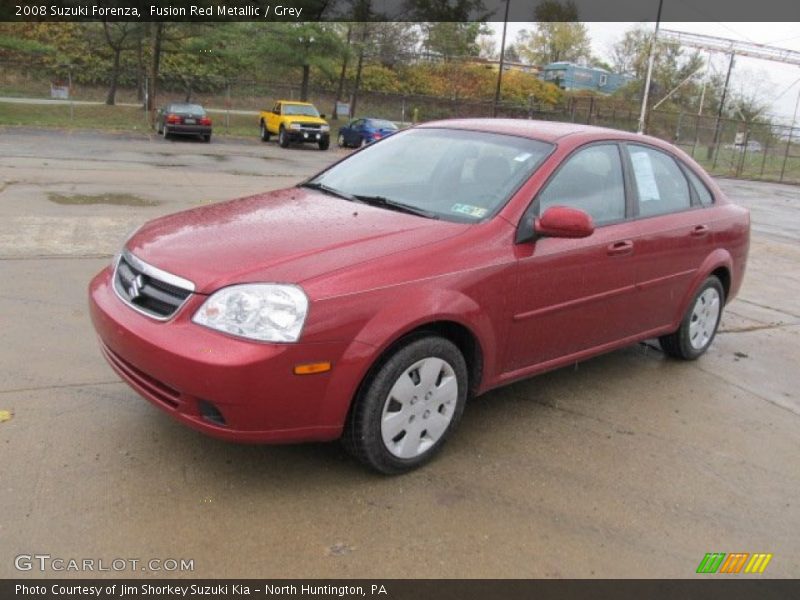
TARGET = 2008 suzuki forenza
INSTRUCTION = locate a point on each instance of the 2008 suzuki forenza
(371, 301)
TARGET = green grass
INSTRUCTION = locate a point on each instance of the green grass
(108, 118)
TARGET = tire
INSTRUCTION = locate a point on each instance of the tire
(325, 144)
(340, 141)
(165, 132)
(207, 138)
(699, 324)
(264, 132)
(283, 139)
(421, 386)
(362, 143)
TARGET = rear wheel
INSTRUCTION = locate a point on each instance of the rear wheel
(699, 324)
(207, 138)
(283, 138)
(264, 132)
(410, 405)
(340, 141)
(165, 132)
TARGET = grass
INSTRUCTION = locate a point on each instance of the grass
(109, 118)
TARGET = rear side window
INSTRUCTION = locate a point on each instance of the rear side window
(590, 180)
(706, 199)
(659, 180)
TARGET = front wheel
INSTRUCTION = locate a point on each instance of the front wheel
(264, 132)
(404, 413)
(699, 324)
(283, 139)
(340, 141)
(324, 144)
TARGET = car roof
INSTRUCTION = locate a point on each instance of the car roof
(546, 131)
(294, 102)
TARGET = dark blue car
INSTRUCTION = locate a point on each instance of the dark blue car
(360, 132)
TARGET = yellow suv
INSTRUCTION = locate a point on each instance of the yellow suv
(295, 122)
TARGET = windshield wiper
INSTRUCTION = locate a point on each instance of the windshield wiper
(384, 202)
(315, 185)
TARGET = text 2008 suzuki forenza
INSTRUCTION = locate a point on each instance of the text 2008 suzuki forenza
(370, 302)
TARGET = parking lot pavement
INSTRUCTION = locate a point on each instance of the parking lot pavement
(627, 465)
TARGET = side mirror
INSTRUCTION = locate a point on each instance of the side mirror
(322, 116)
(564, 222)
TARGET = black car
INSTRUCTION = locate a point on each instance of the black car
(181, 118)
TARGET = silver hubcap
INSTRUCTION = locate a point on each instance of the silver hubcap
(704, 318)
(419, 407)
(341, 140)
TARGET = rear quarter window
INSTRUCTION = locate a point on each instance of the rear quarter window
(703, 193)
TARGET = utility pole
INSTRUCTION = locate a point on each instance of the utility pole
(650, 60)
(715, 145)
(502, 62)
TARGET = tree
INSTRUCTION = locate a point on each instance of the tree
(120, 37)
(558, 35)
(454, 39)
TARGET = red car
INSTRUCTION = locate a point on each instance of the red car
(371, 301)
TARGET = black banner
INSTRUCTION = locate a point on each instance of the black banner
(398, 10)
(707, 588)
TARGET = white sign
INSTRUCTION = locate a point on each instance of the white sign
(59, 91)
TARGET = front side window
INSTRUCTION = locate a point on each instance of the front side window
(457, 175)
(660, 182)
(590, 180)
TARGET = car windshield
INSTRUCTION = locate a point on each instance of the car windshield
(194, 109)
(381, 124)
(300, 109)
(456, 175)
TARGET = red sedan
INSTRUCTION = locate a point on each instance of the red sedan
(370, 302)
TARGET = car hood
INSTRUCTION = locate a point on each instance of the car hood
(304, 119)
(286, 236)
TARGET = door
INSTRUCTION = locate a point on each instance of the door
(576, 294)
(674, 234)
(273, 118)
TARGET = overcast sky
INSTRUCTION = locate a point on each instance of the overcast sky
(777, 81)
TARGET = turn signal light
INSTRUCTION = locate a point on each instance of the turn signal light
(312, 368)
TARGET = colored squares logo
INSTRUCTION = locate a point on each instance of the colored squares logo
(734, 563)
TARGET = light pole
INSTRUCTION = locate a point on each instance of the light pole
(502, 62)
(650, 60)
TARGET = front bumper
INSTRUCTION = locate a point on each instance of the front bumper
(178, 366)
(311, 136)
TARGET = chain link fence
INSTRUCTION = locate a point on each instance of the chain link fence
(724, 147)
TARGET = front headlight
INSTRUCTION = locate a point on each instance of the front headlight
(325, 128)
(258, 311)
(294, 126)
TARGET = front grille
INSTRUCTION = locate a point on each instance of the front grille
(315, 126)
(141, 287)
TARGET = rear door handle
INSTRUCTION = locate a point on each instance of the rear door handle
(699, 231)
(620, 248)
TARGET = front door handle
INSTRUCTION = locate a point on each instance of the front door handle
(620, 248)
(700, 231)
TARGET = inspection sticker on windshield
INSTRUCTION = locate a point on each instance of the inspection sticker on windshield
(468, 209)
(522, 157)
